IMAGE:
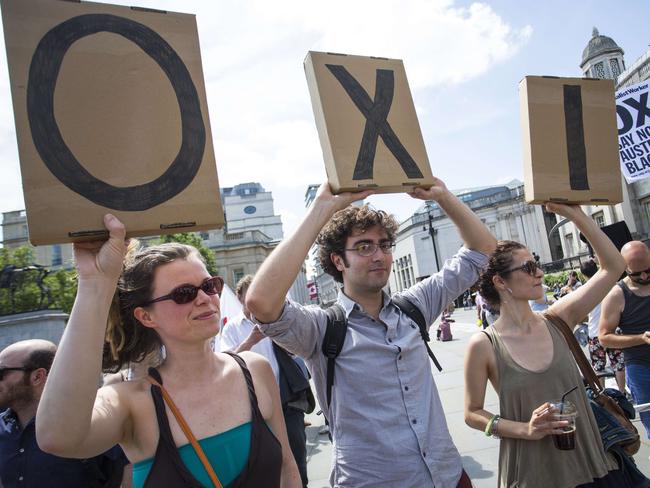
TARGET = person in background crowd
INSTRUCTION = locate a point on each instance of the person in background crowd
(627, 306)
(150, 298)
(386, 419)
(543, 302)
(529, 364)
(24, 367)
(240, 334)
(597, 353)
(572, 284)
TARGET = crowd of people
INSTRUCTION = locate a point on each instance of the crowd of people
(180, 414)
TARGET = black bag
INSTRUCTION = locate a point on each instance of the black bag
(295, 391)
(616, 418)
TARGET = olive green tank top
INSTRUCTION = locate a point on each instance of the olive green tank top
(532, 464)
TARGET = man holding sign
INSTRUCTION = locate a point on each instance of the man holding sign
(385, 414)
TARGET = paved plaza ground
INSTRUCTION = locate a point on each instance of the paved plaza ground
(480, 454)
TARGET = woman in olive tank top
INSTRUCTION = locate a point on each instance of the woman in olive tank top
(160, 302)
(529, 364)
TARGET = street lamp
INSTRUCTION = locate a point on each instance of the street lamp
(432, 233)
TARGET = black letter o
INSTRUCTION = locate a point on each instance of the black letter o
(56, 155)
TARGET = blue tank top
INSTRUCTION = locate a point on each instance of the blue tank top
(227, 453)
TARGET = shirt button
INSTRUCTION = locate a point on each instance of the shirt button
(424, 454)
(415, 421)
(22, 449)
(400, 358)
(406, 388)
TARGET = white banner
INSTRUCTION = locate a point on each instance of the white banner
(633, 115)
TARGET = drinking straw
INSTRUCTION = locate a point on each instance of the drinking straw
(563, 396)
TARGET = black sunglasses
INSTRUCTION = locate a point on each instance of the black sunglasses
(186, 293)
(529, 267)
(4, 370)
(638, 273)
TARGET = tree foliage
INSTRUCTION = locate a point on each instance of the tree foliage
(193, 239)
(58, 290)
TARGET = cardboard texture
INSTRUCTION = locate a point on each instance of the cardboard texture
(111, 116)
(367, 124)
(570, 140)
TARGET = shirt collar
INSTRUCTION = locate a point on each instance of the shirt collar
(349, 305)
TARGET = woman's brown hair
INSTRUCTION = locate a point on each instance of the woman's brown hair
(127, 340)
(500, 262)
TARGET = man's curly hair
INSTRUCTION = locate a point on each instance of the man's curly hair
(335, 233)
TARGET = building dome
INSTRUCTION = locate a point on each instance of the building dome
(599, 45)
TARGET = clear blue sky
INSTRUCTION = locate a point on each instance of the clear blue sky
(464, 62)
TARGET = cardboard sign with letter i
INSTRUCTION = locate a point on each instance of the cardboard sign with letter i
(111, 117)
(570, 140)
(367, 124)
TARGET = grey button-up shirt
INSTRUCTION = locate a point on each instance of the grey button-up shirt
(386, 417)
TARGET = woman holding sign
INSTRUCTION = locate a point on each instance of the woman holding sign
(528, 362)
(165, 297)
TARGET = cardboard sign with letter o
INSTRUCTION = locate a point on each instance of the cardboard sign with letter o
(111, 116)
(367, 124)
(570, 140)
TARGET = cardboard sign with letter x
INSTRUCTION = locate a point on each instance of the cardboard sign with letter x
(367, 124)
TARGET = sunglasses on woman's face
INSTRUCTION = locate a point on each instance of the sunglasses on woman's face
(187, 293)
(529, 267)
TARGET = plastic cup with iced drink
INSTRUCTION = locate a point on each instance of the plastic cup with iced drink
(565, 411)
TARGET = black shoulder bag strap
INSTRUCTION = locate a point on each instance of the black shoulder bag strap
(337, 327)
(415, 314)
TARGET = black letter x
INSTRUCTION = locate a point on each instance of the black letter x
(641, 108)
(376, 123)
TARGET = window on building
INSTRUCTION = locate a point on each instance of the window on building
(512, 225)
(405, 275)
(599, 217)
(599, 70)
(205, 236)
(56, 255)
(646, 207)
(237, 274)
(570, 247)
(613, 64)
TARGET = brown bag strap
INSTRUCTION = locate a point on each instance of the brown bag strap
(585, 368)
(188, 432)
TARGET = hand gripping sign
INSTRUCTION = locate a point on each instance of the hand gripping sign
(367, 123)
(569, 140)
(111, 116)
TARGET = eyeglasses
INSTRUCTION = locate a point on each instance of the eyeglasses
(186, 293)
(638, 273)
(4, 370)
(366, 249)
(529, 267)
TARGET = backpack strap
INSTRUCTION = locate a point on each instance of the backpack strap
(415, 314)
(337, 327)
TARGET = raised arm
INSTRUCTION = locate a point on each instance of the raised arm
(576, 305)
(70, 422)
(474, 233)
(266, 295)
